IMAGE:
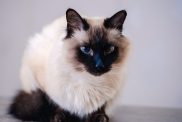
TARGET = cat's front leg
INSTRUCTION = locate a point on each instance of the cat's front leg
(58, 116)
(98, 116)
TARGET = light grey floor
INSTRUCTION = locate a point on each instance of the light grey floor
(122, 114)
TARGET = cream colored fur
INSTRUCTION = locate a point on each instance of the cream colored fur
(48, 65)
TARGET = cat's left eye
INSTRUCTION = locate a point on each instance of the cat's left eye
(86, 50)
(109, 50)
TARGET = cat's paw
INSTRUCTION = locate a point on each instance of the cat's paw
(101, 118)
(58, 118)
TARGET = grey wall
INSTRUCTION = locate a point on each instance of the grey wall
(154, 28)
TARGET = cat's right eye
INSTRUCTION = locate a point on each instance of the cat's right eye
(109, 50)
(86, 50)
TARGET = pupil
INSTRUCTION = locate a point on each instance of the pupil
(87, 49)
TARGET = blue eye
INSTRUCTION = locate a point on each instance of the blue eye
(86, 50)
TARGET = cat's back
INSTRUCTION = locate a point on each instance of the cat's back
(51, 33)
(37, 51)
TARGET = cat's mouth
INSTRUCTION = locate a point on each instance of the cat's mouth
(98, 72)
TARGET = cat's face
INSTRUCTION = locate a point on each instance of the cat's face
(97, 44)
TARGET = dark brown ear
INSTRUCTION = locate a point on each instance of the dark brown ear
(116, 21)
(75, 21)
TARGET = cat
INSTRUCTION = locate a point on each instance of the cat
(72, 70)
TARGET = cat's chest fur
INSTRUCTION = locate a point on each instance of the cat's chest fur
(82, 94)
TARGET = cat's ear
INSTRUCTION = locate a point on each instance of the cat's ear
(116, 21)
(75, 21)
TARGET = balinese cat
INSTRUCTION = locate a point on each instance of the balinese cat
(72, 70)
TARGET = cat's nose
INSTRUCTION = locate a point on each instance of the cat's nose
(98, 62)
(99, 65)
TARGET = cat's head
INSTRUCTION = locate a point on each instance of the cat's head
(96, 45)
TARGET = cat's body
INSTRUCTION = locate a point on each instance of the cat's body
(78, 79)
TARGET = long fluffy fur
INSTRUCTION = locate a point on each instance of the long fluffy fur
(48, 65)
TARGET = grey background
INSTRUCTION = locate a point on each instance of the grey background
(154, 28)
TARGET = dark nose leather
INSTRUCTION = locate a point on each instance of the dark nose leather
(98, 62)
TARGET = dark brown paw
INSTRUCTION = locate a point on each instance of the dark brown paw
(101, 118)
(58, 118)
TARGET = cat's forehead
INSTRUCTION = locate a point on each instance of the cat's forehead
(95, 21)
(96, 32)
